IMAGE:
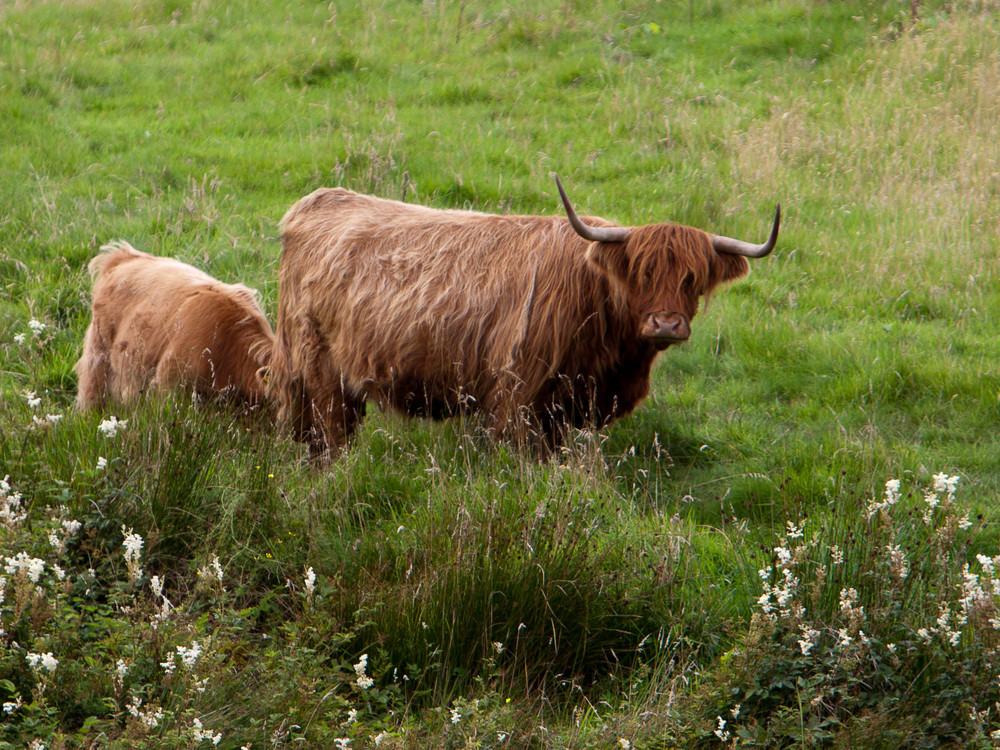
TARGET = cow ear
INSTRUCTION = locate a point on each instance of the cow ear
(734, 267)
(610, 258)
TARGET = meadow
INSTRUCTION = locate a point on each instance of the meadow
(792, 543)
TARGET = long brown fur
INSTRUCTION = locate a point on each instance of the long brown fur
(432, 312)
(160, 324)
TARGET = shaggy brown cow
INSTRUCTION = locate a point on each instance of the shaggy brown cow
(161, 323)
(535, 320)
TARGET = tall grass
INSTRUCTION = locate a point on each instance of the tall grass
(609, 596)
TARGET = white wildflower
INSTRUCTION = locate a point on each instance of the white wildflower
(213, 570)
(783, 555)
(310, 581)
(379, 738)
(133, 553)
(198, 734)
(720, 729)
(71, 527)
(624, 743)
(10, 506)
(342, 743)
(149, 718)
(892, 491)
(844, 640)
(36, 744)
(156, 586)
(36, 327)
(794, 532)
(848, 597)
(498, 647)
(19, 339)
(946, 484)
(33, 400)
(102, 463)
(56, 542)
(944, 617)
(42, 662)
(11, 706)
(190, 654)
(111, 426)
(363, 681)
(456, 715)
(121, 669)
(890, 498)
(836, 554)
(899, 565)
(810, 638)
(23, 563)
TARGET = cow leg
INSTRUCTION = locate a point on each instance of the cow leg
(92, 372)
(333, 416)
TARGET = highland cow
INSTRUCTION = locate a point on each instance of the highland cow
(537, 321)
(160, 324)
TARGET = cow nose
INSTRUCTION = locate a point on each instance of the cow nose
(665, 328)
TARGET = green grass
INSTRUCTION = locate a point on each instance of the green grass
(619, 577)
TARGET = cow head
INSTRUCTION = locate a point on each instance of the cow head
(665, 269)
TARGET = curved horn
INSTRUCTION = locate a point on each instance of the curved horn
(747, 249)
(594, 234)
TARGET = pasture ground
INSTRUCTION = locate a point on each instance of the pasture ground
(726, 567)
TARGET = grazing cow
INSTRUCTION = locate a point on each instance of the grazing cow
(161, 323)
(537, 321)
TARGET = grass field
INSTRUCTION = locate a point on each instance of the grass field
(726, 567)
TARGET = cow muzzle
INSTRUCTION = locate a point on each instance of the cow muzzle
(665, 328)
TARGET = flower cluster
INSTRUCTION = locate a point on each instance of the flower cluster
(62, 530)
(310, 582)
(935, 501)
(778, 599)
(199, 734)
(363, 680)
(11, 514)
(149, 719)
(42, 662)
(163, 605)
(889, 498)
(23, 564)
(34, 401)
(37, 328)
(212, 572)
(189, 657)
(109, 427)
(133, 553)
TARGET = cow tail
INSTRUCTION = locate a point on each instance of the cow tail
(276, 375)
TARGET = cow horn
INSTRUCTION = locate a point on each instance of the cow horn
(594, 234)
(746, 249)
